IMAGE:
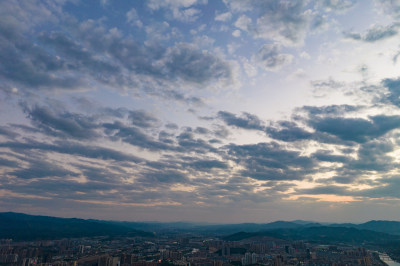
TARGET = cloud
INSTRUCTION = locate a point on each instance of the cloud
(283, 21)
(84, 55)
(270, 161)
(201, 130)
(171, 126)
(66, 146)
(181, 10)
(328, 110)
(288, 131)
(375, 33)
(24, 14)
(163, 177)
(41, 169)
(142, 119)
(62, 125)
(27, 65)
(373, 156)
(324, 87)
(8, 163)
(356, 129)
(246, 121)
(270, 58)
(393, 85)
(391, 7)
(386, 188)
(243, 23)
(327, 156)
(133, 136)
(72, 148)
(206, 165)
(324, 190)
(4, 131)
(319, 23)
(132, 17)
(188, 143)
(180, 63)
(223, 16)
(338, 5)
(192, 65)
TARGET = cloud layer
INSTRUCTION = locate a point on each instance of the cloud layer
(198, 110)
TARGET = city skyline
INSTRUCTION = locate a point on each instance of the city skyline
(224, 111)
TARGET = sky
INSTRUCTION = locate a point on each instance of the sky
(220, 111)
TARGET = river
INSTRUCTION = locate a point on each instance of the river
(385, 258)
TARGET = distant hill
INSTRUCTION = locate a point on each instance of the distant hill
(29, 227)
(20, 226)
(323, 234)
(248, 227)
(389, 227)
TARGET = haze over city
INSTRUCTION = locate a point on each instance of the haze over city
(220, 111)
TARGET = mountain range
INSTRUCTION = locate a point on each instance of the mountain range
(20, 226)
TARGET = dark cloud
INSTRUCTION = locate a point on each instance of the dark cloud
(187, 142)
(373, 156)
(62, 188)
(386, 188)
(133, 136)
(383, 188)
(183, 62)
(221, 132)
(206, 165)
(270, 57)
(171, 126)
(246, 121)
(163, 177)
(71, 148)
(80, 55)
(356, 129)
(41, 169)
(349, 179)
(175, 95)
(328, 110)
(393, 85)
(270, 161)
(79, 58)
(190, 64)
(27, 65)
(288, 131)
(166, 137)
(214, 141)
(4, 131)
(201, 130)
(8, 163)
(374, 34)
(142, 119)
(62, 125)
(101, 174)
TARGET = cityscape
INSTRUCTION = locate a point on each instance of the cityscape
(180, 250)
(190, 244)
